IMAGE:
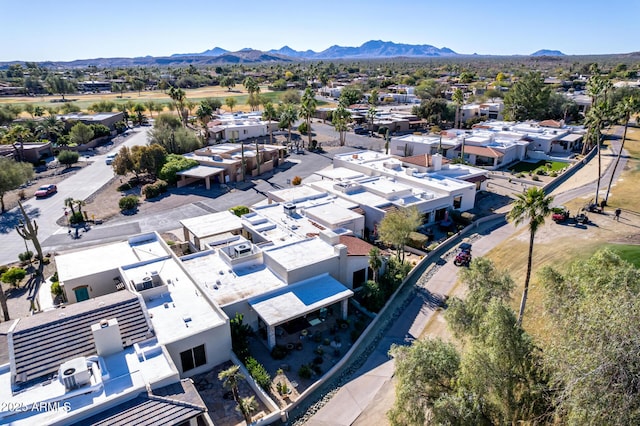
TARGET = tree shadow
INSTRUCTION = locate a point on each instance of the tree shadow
(11, 218)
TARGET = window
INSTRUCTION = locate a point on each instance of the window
(192, 358)
(457, 202)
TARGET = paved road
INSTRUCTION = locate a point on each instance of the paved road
(214, 200)
(47, 211)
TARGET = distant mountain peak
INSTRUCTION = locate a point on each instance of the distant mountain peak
(547, 52)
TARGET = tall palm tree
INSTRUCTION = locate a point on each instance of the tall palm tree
(532, 207)
(307, 109)
(595, 121)
(288, 117)
(458, 98)
(230, 379)
(626, 109)
(179, 97)
(269, 114)
(340, 119)
(375, 262)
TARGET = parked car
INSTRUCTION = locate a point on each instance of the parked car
(360, 131)
(46, 190)
(109, 159)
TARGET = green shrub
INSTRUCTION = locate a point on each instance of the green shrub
(124, 187)
(54, 277)
(535, 178)
(258, 372)
(175, 163)
(553, 174)
(541, 172)
(305, 372)
(302, 128)
(239, 210)
(417, 240)
(56, 289)
(153, 190)
(129, 202)
(76, 217)
(68, 158)
(25, 256)
(13, 276)
(279, 352)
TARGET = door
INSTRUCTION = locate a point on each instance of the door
(82, 293)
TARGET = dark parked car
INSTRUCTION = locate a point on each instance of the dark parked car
(360, 131)
(46, 190)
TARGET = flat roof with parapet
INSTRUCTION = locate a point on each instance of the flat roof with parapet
(179, 309)
(296, 300)
(426, 139)
(294, 225)
(339, 173)
(225, 285)
(211, 158)
(331, 213)
(201, 171)
(296, 194)
(89, 261)
(212, 224)
(301, 253)
(126, 374)
(360, 197)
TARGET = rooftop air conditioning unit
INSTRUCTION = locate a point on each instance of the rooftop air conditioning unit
(289, 209)
(241, 249)
(74, 373)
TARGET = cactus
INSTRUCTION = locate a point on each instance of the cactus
(28, 230)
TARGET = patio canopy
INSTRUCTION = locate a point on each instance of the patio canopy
(296, 300)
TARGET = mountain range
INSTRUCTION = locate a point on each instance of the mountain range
(373, 49)
(370, 50)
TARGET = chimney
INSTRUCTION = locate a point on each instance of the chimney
(106, 337)
(426, 157)
(437, 162)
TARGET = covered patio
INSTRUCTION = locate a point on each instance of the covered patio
(298, 300)
(200, 172)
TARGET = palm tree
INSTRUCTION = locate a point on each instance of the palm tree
(230, 379)
(458, 99)
(375, 262)
(246, 406)
(595, 120)
(288, 116)
(307, 109)
(371, 115)
(178, 96)
(531, 206)
(269, 114)
(204, 113)
(340, 118)
(626, 108)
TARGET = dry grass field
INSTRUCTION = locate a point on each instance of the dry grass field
(558, 245)
(84, 100)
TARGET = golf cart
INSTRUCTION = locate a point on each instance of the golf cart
(463, 257)
(559, 214)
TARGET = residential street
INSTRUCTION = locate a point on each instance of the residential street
(48, 210)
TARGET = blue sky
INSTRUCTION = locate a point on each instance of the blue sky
(61, 30)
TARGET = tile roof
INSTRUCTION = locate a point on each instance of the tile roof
(44, 341)
(423, 160)
(481, 151)
(170, 405)
(355, 246)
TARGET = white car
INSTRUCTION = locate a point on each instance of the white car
(109, 159)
